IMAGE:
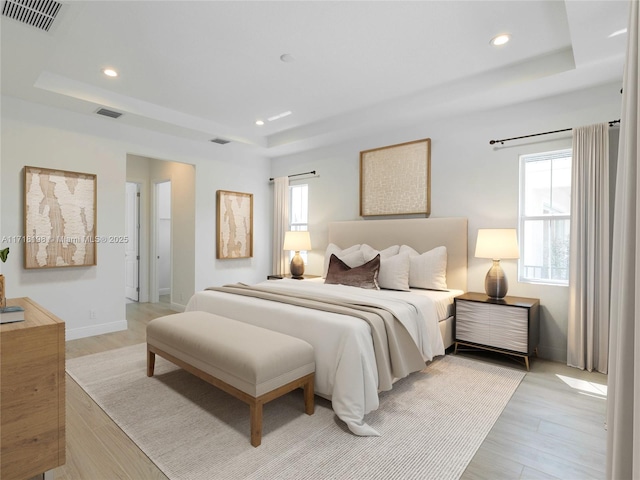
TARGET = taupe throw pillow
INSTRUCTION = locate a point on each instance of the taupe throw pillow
(364, 276)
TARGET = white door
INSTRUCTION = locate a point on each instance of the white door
(132, 254)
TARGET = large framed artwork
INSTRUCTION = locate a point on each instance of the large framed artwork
(396, 180)
(59, 218)
(234, 225)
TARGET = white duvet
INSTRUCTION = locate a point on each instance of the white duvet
(346, 370)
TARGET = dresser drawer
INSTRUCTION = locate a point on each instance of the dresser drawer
(492, 325)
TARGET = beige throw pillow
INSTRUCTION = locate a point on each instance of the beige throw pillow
(427, 270)
(394, 272)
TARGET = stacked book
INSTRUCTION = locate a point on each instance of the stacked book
(11, 314)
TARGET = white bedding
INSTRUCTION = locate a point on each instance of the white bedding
(345, 363)
(442, 300)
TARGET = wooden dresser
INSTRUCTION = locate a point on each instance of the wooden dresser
(32, 393)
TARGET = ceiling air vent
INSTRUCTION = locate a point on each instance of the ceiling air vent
(220, 141)
(108, 113)
(39, 13)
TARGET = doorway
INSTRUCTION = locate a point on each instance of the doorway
(163, 241)
(179, 211)
(132, 247)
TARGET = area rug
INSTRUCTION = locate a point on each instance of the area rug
(431, 423)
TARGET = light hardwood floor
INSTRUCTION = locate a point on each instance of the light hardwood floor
(552, 428)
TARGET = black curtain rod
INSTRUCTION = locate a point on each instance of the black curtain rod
(313, 172)
(611, 124)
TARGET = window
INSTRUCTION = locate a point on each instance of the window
(299, 212)
(545, 208)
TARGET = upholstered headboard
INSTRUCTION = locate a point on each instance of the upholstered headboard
(422, 234)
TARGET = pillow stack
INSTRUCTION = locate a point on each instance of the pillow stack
(394, 268)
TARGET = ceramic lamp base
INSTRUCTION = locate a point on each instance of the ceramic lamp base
(297, 266)
(495, 283)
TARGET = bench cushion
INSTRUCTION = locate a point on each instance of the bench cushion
(252, 359)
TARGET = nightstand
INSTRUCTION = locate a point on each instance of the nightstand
(510, 325)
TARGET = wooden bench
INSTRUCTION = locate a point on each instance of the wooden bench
(253, 364)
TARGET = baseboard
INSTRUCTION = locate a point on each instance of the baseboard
(164, 291)
(90, 331)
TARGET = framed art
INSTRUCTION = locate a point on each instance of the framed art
(59, 218)
(396, 180)
(234, 225)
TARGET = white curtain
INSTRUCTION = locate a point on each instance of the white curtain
(588, 328)
(280, 223)
(623, 396)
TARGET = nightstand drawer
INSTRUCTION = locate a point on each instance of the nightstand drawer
(497, 326)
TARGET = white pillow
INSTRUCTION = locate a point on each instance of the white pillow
(428, 270)
(353, 261)
(370, 252)
(394, 272)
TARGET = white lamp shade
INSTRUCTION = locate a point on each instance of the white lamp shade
(497, 243)
(297, 241)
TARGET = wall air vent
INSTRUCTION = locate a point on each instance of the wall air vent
(108, 113)
(38, 13)
(220, 141)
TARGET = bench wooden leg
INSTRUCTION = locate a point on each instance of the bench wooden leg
(256, 423)
(151, 362)
(255, 404)
(308, 397)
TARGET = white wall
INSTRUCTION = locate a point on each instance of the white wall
(48, 137)
(164, 237)
(469, 178)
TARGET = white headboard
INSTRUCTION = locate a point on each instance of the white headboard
(421, 234)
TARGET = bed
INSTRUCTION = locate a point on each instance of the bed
(351, 365)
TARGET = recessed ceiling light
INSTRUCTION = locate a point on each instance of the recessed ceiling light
(259, 122)
(110, 72)
(618, 32)
(500, 39)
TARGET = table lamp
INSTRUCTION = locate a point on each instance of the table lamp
(297, 241)
(496, 244)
